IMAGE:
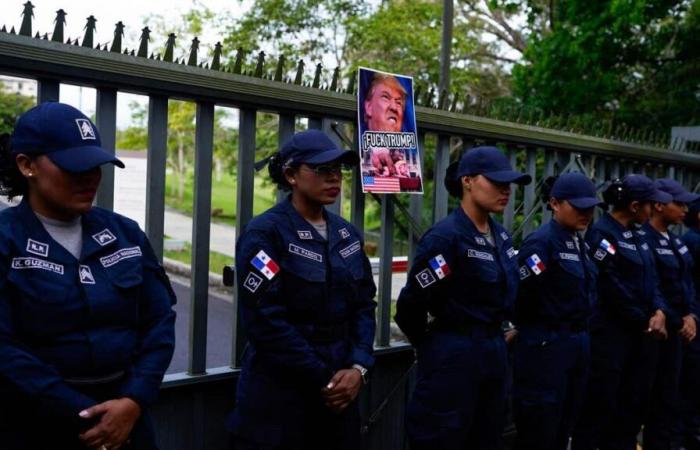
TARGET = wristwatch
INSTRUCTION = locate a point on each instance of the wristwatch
(363, 372)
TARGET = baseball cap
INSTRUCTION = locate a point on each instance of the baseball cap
(675, 190)
(641, 188)
(62, 133)
(491, 163)
(576, 189)
(315, 147)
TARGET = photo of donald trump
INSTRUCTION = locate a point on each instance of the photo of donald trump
(388, 133)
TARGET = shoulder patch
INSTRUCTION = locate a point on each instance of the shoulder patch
(600, 254)
(535, 264)
(486, 256)
(524, 272)
(252, 282)
(607, 246)
(301, 251)
(38, 248)
(425, 278)
(439, 266)
(344, 233)
(266, 265)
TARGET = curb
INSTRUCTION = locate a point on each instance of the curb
(185, 270)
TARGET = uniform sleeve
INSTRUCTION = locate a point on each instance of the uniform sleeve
(265, 316)
(26, 373)
(363, 321)
(425, 287)
(156, 332)
(611, 288)
(658, 300)
(533, 263)
(693, 300)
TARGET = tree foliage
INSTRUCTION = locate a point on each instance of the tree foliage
(11, 107)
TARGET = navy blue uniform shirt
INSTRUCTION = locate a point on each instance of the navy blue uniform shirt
(628, 286)
(692, 239)
(296, 287)
(557, 279)
(458, 278)
(65, 318)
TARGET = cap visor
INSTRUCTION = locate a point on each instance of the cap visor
(660, 197)
(508, 176)
(82, 159)
(336, 154)
(584, 202)
(686, 197)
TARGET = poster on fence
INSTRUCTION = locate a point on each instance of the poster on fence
(389, 158)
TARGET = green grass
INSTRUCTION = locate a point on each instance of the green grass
(223, 197)
(217, 261)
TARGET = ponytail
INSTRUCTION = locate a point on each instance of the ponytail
(453, 183)
(12, 182)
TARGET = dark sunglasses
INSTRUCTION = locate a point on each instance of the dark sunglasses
(327, 169)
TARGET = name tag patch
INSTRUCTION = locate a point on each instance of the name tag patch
(119, 255)
(303, 234)
(486, 256)
(86, 275)
(252, 282)
(104, 237)
(305, 253)
(36, 263)
(624, 244)
(350, 249)
(569, 256)
(425, 278)
(38, 248)
(683, 250)
(664, 251)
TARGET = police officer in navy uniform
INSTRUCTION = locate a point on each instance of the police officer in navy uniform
(627, 322)
(86, 319)
(461, 287)
(306, 298)
(687, 426)
(674, 265)
(554, 304)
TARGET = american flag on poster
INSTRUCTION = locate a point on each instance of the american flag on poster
(381, 185)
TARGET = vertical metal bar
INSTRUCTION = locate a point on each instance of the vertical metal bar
(285, 131)
(446, 46)
(48, 90)
(442, 160)
(201, 221)
(671, 171)
(616, 169)
(315, 123)
(529, 194)
(155, 171)
(509, 213)
(244, 208)
(386, 241)
(548, 172)
(357, 197)
(106, 115)
(415, 203)
(335, 207)
(598, 180)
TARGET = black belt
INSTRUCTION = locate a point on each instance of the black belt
(469, 329)
(324, 334)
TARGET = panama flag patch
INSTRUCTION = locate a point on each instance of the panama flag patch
(265, 265)
(439, 266)
(535, 264)
(607, 246)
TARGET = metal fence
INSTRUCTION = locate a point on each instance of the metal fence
(454, 122)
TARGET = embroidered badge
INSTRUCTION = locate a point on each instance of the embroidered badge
(663, 242)
(486, 256)
(38, 248)
(304, 234)
(535, 264)
(86, 275)
(266, 265)
(510, 252)
(439, 266)
(301, 251)
(252, 282)
(627, 234)
(641, 232)
(36, 263)
(569, 256)
(664, 251)
(645, 246)
(104, 237)
(121, 254)
(350, 249)
(85, 129)
(628, 246)
(524, 272)
(607, 246)
(425, 278)
(600, 254)
(683, 250)
(678, 241)
(344, 233)
(479, 240)
(504, 236)
(570, 245)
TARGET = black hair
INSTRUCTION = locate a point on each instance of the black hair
(453, 183)
(546, 190)
(691, 218)
(615, 195)
(276, 168)
(12, 182)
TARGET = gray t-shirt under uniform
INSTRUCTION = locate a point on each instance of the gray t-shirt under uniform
(68, 234)
(322, 229)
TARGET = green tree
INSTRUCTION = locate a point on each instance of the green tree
(11, 107)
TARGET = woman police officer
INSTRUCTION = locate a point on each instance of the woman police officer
(464, 277)
(86, 319)
(306, 300)
(674, 266)
(552, 310)
(628, 317)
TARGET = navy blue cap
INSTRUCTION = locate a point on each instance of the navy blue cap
(315, 147)
(576, 189)
(642, 189)
(491, 163)
(675, 190)
(62, 133)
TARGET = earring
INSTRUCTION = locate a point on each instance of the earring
(30, 174)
